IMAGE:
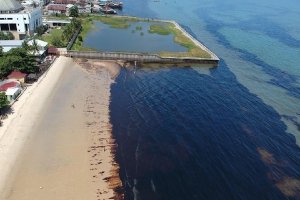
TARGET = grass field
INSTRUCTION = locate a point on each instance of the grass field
(50, 37)
(180, 38)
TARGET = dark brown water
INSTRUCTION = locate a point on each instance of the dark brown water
(185, 135)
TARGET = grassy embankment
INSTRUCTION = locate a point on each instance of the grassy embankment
(180, 38)
(49, 36)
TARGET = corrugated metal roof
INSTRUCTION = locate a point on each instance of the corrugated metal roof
(10, 5)
(4, 43)
(12, 91)
(7, 85)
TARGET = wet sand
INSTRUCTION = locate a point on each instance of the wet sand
(68, 152)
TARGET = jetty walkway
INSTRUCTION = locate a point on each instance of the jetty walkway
(137, 57)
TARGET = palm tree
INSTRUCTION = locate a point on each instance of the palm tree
(25, 45)
(35, 47)
(68, 32)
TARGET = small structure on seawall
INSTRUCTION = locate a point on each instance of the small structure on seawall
(112, 4)
(107, 10)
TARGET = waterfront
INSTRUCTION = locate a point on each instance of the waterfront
(57, 143)
(178, 132)
(215, 133)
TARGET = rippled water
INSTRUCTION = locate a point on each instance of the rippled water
(215, 133)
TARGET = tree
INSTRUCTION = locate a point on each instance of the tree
(6, 36)
(3, 100)
(5, 67)
(17, 59)
(26, 46)
(35, 47)
(1, 51)
(74, 11)
(57, 41)
(41, 30)
(75, 24)
(68, 32)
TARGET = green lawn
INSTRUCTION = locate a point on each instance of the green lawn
(49, 37)
(159, 29)
(180, 38)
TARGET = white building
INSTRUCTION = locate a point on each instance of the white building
(9, 44)
(19, 20)
(12, 93)
(41, 47)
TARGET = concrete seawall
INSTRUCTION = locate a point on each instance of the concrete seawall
(138, 57)
(145, 57)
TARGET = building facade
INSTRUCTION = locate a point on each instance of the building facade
(19, 20)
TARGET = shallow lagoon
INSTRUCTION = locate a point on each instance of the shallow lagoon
(105, 38)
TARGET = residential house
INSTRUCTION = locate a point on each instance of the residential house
(18, 76)
(56, 9)
(11, 88)
(13, 93)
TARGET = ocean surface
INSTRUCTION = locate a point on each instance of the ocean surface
(231, 132)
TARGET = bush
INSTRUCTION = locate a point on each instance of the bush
(41, 30)
(74, 11)
(6, 35)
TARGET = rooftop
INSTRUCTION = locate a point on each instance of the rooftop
(65, 1)
(12, 91)
(38, 42)
(16, 75)
(4, 43)
(10, 6)
(58, 7)
(4, 85)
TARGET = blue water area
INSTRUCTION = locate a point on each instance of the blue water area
(105, 38)
(231, 132)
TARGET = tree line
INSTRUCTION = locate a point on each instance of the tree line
(68, 31)
(15, 59)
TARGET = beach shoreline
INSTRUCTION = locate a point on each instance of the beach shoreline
(58, 143)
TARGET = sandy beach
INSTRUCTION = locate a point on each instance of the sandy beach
(58, 142)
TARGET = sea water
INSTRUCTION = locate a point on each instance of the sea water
(215, 133)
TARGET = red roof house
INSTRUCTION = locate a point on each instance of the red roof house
(57, 8)
(17, 75)
(65, 1)
(8, 84)
(53, 50)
